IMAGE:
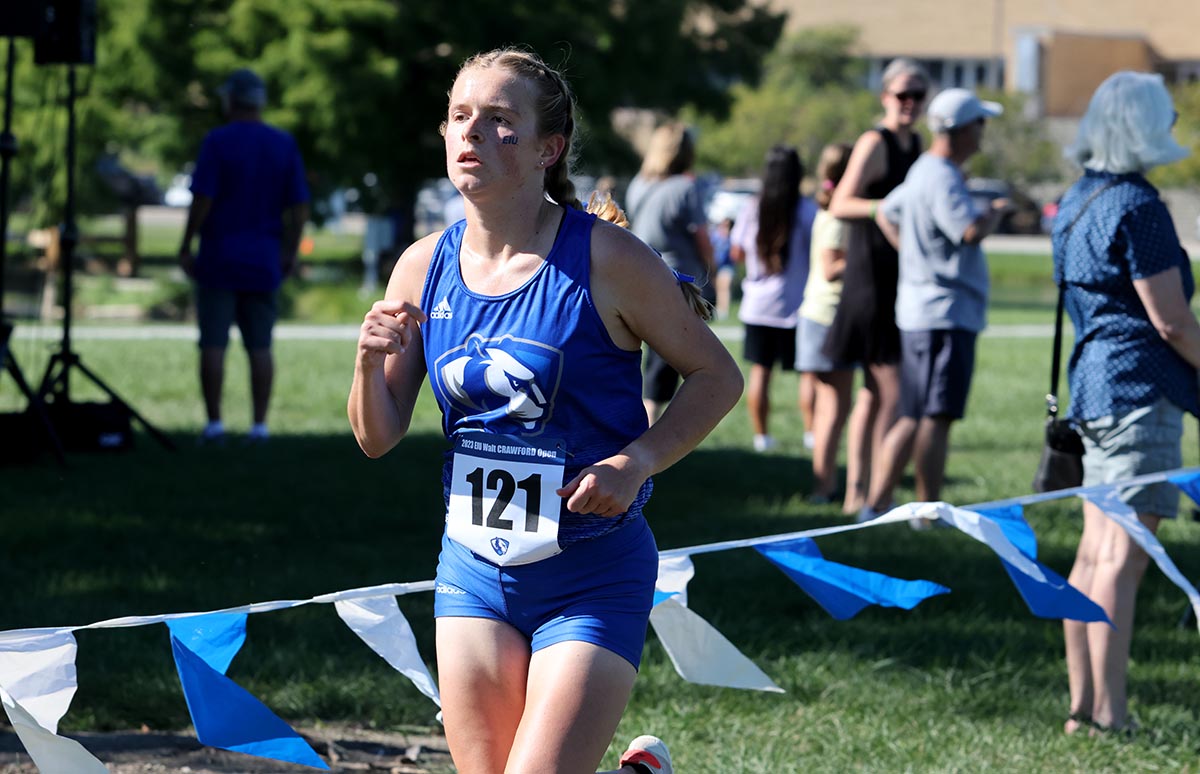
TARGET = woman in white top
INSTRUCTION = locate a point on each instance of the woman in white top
(822, 294)
(771, 235)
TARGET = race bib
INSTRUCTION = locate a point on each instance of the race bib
(503, 503)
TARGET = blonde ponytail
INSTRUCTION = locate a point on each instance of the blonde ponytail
(604, 208)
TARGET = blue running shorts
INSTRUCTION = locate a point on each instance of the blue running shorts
(598, 591)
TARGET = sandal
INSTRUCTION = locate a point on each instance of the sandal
(1080, 719)
(1125, 733)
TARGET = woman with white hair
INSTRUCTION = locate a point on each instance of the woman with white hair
(1126, 283)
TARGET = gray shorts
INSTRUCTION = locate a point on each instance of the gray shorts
(1146, 440)
(810, 341)
(935, 372)
(254, 312)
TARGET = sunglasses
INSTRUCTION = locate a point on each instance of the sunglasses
(915, 95)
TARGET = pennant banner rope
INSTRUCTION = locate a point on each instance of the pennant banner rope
(37, 666)
(37, 676)
(892, 516)
(1173, 476)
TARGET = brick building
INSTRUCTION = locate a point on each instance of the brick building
(1054, 51)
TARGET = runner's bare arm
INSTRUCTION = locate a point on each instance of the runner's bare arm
(390, 364)
(639, 300)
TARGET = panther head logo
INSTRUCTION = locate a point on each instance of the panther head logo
(502, 380)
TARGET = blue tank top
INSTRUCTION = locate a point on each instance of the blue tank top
(534, 363)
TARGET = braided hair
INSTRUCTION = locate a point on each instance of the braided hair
(555, 111)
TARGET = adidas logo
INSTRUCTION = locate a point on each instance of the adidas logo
(442, 311)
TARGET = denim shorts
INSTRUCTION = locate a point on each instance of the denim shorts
(1145, 440)
(810, 346)
(598, 591)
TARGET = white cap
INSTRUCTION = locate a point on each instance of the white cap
(953, 108)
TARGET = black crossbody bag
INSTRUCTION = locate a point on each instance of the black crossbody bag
(1061, 465)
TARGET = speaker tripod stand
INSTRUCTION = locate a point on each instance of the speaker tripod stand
(8, 149)
(56, 383)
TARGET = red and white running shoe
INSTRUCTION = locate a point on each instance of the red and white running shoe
(650, 754)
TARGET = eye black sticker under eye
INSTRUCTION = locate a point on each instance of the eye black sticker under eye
(510, 140)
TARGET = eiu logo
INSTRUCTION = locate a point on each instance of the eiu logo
(506, 383)
(500, 546)
(510, 140)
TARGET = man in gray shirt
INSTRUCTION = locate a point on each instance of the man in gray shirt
(941, 299)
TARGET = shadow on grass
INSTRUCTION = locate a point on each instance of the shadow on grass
(150, 532)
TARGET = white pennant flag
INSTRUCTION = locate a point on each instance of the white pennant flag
(701, 654)
(51, 753)
(985, 531)
(1120, 512)
(379, 623)
(37, 668)
(37, 683)
(674, 573)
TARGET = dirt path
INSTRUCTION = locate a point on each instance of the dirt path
(345, 749)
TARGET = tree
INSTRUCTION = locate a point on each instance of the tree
(1186, 172)
(362, 83)
(811, 95)
(1016, 148)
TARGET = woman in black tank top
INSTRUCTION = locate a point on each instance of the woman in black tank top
(864, 329)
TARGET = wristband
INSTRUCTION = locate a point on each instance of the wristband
(874, 208)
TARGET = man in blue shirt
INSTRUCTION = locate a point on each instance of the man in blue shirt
(250, 202)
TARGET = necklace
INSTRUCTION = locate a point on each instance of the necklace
(540, 221)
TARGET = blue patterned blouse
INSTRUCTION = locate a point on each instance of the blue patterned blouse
(1119, 362)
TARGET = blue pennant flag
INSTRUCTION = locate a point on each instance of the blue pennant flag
(226, 715)
(1054, 598)
(663, 596)
(216, 638)
(1011, 521)
(840, 589)
(1189, 483)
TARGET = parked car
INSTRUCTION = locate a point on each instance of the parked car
(1026, 214)
(1049, 213)
(180, 192)
(726, 198)
(129, 188)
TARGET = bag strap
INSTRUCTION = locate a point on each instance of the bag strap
(1056, 359)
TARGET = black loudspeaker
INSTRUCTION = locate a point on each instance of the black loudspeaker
(20, 18)
(92, 427)
(66, 32)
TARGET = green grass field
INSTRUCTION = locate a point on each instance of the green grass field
(968, 681)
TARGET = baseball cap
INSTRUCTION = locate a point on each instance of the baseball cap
(244, 87)
(953, 108)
